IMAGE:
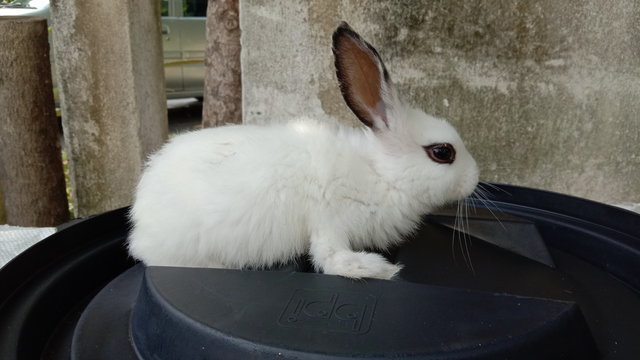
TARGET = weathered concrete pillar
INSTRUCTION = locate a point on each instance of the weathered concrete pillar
(223, 87)
(3, 212)
(32, 187)
(545, 94)
(111, 80)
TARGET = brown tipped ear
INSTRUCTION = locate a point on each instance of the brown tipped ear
(364, 81)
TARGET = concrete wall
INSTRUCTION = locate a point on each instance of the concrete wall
(545, 93)
(108, 58)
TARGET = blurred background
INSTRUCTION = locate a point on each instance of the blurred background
(544, 93)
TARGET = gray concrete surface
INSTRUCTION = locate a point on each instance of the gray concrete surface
(111, 80)
(16, 239)
(545, 93)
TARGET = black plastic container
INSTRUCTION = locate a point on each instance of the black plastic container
(538, 275)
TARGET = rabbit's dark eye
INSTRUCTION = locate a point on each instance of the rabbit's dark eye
(441, 153)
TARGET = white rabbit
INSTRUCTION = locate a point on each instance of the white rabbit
(254, 196)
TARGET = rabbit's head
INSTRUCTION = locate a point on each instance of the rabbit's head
(424, 155)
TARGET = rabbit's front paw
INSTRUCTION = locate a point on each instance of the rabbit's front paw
(358, 265)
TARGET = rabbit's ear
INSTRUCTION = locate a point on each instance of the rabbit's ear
(363, 78)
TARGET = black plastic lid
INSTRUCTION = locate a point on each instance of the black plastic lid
(555, 278)
(196, 313)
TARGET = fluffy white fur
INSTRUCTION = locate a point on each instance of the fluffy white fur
(240, 196)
